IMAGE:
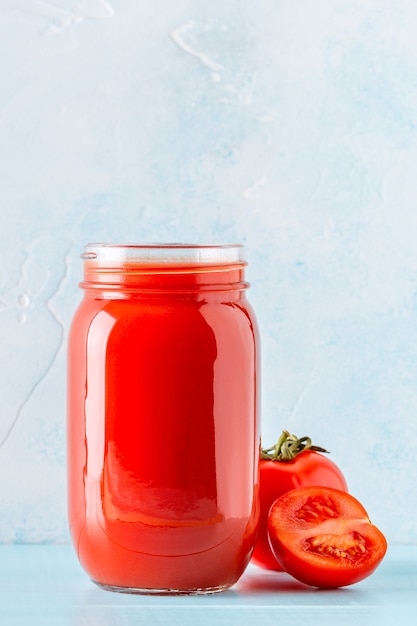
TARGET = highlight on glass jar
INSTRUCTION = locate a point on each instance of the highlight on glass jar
(163, 429)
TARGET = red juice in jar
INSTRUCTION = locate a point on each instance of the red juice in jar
(163, 432)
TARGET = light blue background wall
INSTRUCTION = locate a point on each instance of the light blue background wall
(290, 126)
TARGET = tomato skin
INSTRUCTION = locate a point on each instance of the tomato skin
(320, 549)
(278, 477)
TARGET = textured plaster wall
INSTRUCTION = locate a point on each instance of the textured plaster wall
(290, 126)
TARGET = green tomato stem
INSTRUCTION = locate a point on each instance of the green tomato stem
(287, 448)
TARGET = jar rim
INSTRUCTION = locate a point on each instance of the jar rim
(169, 253)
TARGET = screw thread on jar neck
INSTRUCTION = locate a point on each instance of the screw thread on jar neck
(164, 267)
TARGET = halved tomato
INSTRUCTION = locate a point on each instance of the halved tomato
(323, 537)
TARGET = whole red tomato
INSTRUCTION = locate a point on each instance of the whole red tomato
(291, 463)
(324, 538)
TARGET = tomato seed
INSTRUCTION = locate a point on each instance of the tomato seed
(350, 547)
(314, 509)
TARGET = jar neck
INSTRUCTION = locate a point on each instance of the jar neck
(121, 271)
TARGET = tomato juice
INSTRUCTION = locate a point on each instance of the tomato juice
(163, 433)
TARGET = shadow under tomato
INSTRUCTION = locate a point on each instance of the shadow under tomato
(258, 579)
(265, 581)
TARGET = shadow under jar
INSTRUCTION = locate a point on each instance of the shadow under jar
(163, 432)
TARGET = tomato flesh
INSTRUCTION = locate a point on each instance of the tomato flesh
(324, 538)
(278, 477)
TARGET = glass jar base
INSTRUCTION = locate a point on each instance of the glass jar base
(162, 592)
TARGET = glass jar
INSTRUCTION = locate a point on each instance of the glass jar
(163, 433)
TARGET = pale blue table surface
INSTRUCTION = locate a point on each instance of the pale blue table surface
(44, 585)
